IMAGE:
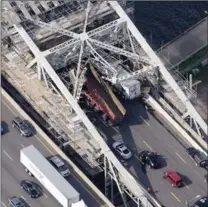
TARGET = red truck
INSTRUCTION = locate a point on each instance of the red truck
(101, 98)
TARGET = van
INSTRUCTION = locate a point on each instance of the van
(60, 165)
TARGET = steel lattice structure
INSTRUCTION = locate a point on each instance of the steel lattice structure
(103, 46)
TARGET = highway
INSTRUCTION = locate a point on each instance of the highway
(13, 172)
(141, 131)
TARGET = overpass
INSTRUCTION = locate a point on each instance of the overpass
(41, 49)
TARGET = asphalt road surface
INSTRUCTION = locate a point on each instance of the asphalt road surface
(13, 172)
(141, 131)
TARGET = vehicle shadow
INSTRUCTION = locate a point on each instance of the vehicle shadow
(136, 115)
(5, 126)
(186, 180)
(163, 161)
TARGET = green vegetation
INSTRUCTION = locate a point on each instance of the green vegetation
(194, 61)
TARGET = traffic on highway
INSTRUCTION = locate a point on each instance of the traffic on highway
(14, 177)
(160, 159)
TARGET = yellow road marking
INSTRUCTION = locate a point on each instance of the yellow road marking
(175, 197)
(180, 157)
(145, 121)
(9, 107)
(147, 145)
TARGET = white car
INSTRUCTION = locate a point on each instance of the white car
(123, 151)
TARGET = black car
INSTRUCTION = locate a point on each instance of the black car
(200, 158)
(22, 126)
(202, 202)
(150, 159)
(32, 188)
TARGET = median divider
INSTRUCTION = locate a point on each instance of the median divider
(156, 106)
(44, 137)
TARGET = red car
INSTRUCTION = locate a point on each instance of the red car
(173, 178)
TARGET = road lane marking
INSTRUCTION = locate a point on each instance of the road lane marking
(7, 155)
(35, 135)
(45, 195)
(44, 145)
(3, 204)
(23, 198)
(145, 121)
(175, 197)
(180, 157)
(186, 185)
(22, 145)
(52, 154)
(147, 145)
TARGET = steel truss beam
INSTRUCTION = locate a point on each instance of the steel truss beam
(155, 60)
(118, 51)
(133, 75)
(102, 61)
(124, 176)
(94, 32)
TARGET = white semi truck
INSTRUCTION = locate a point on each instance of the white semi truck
(38, 166)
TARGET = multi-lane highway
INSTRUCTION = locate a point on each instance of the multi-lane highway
(13, 172)
(140, 130)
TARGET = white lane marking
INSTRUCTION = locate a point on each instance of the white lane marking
(186, 185)
(35, 135)
(180, 157)
(3, 204)
(45, 195)
(22, 145)
(145, 121)
(44, 144)
(23, 198)
(7, 155)
(147, 145)
(175, 197)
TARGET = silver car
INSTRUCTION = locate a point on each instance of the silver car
(22, 127)
(17, 202)
(60, 165)
(123, 151)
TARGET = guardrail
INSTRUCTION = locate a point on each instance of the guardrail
(54, 148)
(156, 106)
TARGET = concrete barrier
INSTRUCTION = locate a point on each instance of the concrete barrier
(173, 123)
(54, 148)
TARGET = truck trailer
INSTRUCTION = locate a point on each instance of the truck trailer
(39, 167)
(100, 96)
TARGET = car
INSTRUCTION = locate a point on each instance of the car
(22, 126)
(60, 165)
(15, 201)
(202, 202)
(32, 188)
(200, 158)
(173, 178)
(149, 158)
(122, 150)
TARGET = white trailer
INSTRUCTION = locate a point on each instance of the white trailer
(38, 166)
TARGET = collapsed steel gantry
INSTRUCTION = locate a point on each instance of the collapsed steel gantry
(125, 182)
